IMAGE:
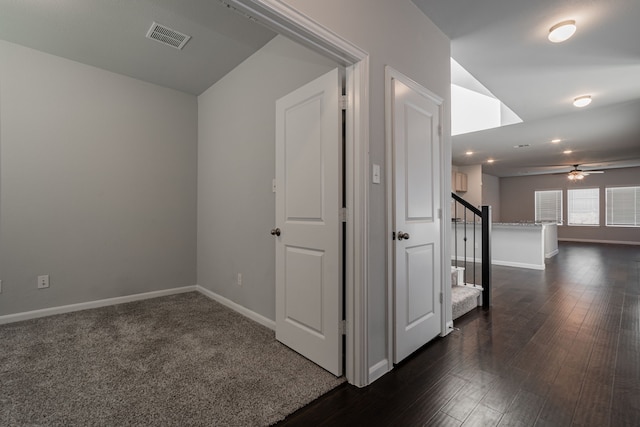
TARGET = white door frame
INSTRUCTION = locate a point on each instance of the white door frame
(287, 21)
(445, 185)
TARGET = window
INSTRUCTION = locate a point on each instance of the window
(623, 206)
(583, 206)
(549, 206)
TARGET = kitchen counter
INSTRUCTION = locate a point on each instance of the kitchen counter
(514, 244)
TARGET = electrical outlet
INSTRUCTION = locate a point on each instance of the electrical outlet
(239, 280)
(43, 281)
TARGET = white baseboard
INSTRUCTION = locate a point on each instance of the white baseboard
(27, 315)
(552, 253)
(609, 242)
(448, 329)
(379, 369)
(518, 264)
(237, 307)
(505, 263)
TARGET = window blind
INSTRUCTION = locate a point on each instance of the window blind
(623, 206)
(583, 206)
(548, 205)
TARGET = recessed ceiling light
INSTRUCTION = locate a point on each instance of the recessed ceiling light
(490, 161)
(568, 151)
(582, 101)
(468, 153)
(562, 31)
(555, 141)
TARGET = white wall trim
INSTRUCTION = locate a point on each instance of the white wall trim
(357, 227)
(285, 20)
(504, 263)
(609, 242)
(379, 369)
(518, 264)
(552, 253)
(449, 328)
(27, 315)
(237, 307)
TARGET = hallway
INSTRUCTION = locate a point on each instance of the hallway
(560, 347)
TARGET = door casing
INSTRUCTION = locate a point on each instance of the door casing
(287, 21)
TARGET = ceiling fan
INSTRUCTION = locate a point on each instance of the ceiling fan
(577, 174)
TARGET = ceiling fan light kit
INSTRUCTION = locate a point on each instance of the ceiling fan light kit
(575, 175)
(562, 31)
(578, 174)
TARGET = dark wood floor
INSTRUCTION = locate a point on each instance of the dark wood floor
(559, 347)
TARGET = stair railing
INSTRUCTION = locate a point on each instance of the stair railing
(466, 218)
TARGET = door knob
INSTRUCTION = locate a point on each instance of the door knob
(275, 232)
(403, 236)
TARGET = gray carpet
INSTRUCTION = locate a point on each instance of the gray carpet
(182, 360)
(463, 300)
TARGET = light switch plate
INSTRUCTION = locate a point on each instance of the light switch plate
(375, 174)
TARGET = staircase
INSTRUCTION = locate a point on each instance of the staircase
(464, 297)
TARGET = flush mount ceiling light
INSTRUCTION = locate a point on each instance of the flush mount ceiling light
(582, 101)
(469, 153)
(562, 31)
(555, 141)
(567, 152)
(490, 161)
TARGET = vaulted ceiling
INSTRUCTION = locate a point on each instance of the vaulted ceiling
(503, 44)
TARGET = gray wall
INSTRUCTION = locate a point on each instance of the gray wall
(236, 166)
(97, 183)
(473, 194)
(491, 195)
(517, 202)
(398, 34)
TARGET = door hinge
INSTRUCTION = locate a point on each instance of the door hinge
(439, 130)
(343, 214)
(343, 327)
(344, 102)
(439, 213)
(441, 298)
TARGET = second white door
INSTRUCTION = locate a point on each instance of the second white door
(417, 226)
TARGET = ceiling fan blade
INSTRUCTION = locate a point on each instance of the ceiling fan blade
(590, 172)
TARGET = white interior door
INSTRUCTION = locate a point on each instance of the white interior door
(308, 227)
(416, 191)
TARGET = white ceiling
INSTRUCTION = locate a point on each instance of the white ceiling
(110, 34)
(503, 43)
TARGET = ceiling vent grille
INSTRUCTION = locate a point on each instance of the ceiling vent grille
(167, 36)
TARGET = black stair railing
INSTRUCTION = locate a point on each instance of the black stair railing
(466, 218)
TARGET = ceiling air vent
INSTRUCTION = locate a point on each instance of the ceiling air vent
(167, 36)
